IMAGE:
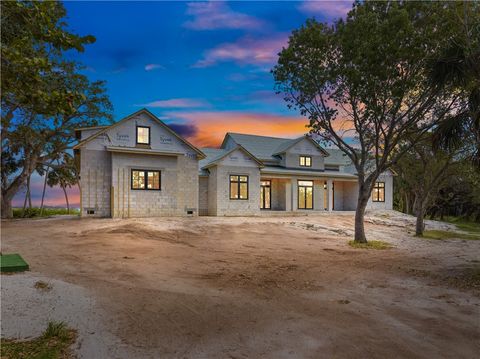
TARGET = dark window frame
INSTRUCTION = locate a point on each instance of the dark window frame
(149, 135)
(305, 199)
(305, 161)
(145, 174)
(270, 194)
(238, 187)
(377, 186)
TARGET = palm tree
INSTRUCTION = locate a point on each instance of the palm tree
(64, 176)
(458, 68)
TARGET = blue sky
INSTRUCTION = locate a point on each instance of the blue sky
(202, 67)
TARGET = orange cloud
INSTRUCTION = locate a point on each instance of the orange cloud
(212, 126)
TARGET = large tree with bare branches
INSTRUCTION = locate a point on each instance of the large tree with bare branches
(363, 83)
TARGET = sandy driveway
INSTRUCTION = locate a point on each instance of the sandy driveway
(283, 287)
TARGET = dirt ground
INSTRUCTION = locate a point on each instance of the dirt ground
(276, 287)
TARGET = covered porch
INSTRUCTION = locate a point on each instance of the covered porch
(307, 193)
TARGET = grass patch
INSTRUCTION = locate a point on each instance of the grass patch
(439, 234)
(47, 212)
(12, 263)
(54, 343)
(370, 245)
(41, 285)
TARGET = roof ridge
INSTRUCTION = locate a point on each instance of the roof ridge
(248, 134)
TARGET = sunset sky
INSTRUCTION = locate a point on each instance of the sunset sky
(202, 67)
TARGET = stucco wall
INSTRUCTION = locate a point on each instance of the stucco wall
(388, 204)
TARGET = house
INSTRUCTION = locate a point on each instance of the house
(139, 167)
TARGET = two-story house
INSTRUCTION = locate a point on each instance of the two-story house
(139, 167)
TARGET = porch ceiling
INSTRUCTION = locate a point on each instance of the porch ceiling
(286, 173)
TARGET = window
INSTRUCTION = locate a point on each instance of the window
(306, 161)
(238, 187)
(265, 194)
(305, 194)
(145, 180)
(143, 135)
(378, 194)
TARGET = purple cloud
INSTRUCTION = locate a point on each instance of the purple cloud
(246, 51)
(177, 103)
(218, 15)
(331, 9)
(151, 67)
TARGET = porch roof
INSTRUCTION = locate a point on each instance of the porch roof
(299, 172)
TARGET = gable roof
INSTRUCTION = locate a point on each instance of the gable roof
(288, 144)
(265, 148)
(129, 117)
(214, 156)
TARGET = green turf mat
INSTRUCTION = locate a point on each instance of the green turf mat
(12, 263)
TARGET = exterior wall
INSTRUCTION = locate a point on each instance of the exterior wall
(279, 196)
(350, 196)
(178, 189)
(106, 176)
(338, 196)
(388, 204)
(228, 207)
(202, 196)
(95, 182)
(290, 159)
(236, 163)
(212, 192)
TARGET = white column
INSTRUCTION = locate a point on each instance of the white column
(330, 195)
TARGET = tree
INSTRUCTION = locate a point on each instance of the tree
(63, 175)
(363, 84)
(44, 96)
(458, 68)
(423, 172)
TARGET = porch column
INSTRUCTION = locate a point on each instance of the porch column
(288, 195)
(294, 202)
(330, 195)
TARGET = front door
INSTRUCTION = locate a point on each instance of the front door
(265, 195)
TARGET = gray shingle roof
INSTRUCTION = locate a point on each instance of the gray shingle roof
(261, 147)
(212, 155)
(264, 147)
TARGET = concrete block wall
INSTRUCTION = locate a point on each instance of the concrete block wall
(212, 192)
(179, 186)
(203, 196)
(95, 182)
(224, 206)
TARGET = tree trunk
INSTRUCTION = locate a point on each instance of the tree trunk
(43, 192)
(6, 207)
(363, 195)
(8, 192)
(25, 203)
(29, 193)
(66, 199)
(420, 213)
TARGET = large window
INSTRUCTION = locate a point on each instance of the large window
(265, 194)
(306, 161)
(305, 194)
(145, 180)
(378, 193)
(143, 135)
(238, 187)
